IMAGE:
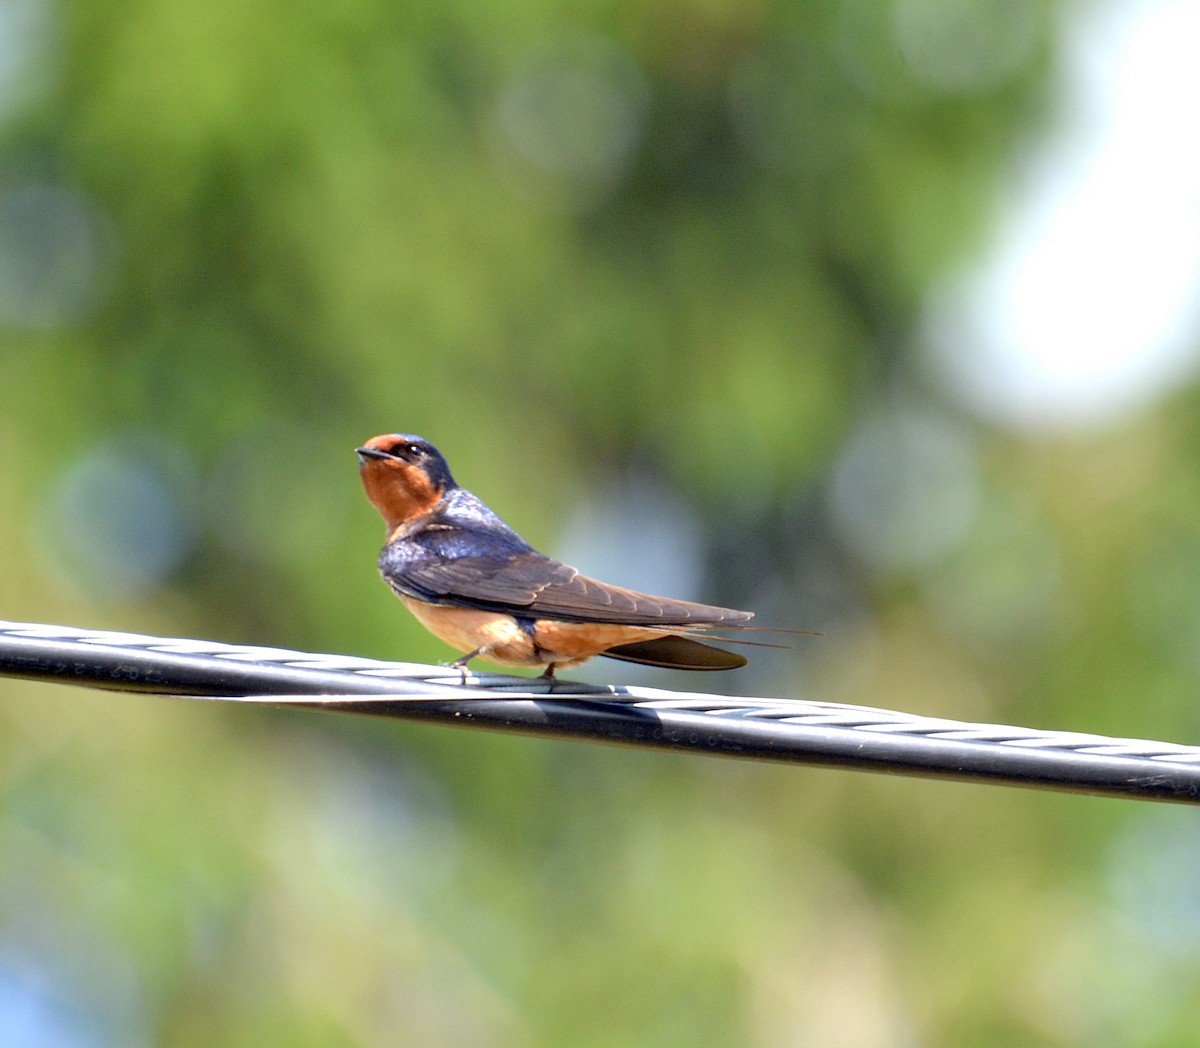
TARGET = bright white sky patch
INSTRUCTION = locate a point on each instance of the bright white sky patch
(1090, 302)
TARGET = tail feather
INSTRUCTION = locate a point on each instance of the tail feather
(674, 652)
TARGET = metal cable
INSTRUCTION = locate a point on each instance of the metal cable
(797, 730)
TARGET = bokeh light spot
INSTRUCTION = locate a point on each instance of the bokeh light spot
(568, 123)
(120, 519)
(24, 51)
(955, 47)
(55, 253)
(904, 489)
(1088, 308)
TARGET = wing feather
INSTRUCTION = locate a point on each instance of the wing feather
(510, 577)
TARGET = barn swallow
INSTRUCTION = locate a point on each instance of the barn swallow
(474, 583)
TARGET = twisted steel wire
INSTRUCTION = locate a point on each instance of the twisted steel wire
(797, 730)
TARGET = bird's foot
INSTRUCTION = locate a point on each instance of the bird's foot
(461, 664)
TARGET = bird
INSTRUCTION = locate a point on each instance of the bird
(475, 584)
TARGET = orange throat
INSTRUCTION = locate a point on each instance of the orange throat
(399, 491)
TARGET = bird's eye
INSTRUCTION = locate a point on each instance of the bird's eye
(415, 450)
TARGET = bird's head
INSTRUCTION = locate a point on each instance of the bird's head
(403, 476)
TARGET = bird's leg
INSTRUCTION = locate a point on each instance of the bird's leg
(548, 672)
(461, 664)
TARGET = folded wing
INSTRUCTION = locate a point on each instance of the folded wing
(527, 583)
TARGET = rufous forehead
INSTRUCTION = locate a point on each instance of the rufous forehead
(383, 441)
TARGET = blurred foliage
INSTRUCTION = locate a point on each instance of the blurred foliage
(670, 247)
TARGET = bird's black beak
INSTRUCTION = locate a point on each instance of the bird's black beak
(371, 453)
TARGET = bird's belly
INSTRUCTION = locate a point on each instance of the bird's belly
(506, 643)
(466, 630)
(568, 644)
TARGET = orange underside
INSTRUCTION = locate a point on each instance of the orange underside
(565, 644)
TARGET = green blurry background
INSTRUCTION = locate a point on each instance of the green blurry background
(682, 288)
